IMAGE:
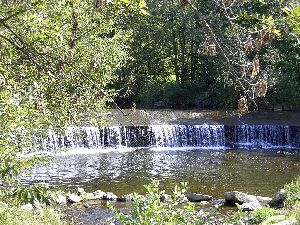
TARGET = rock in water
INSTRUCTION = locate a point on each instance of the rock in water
(278, 199)
(72, 198)
(110, 196)
(238, 197)
(99, 194)
(80, 191)
(193, 197)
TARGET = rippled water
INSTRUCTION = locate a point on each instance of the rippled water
(209, 171)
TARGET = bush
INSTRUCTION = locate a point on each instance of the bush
(149, 209)
(293, 193)
(261, 214)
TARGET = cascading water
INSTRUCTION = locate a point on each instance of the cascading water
(202, 136)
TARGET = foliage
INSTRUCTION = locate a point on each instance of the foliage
(11, 215)
(149, 209)
(293, 194)
(261, 214)
(57, 59)
(249, 46)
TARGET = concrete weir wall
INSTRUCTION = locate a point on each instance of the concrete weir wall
(202, 136)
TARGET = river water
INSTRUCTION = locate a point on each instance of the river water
(213, 152)
(209, 171)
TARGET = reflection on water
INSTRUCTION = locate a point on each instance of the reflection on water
(208, 171)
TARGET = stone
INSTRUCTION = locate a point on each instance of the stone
(72, 198)
(194, 197)
(89, 196)
(287, 222)
(98, 194)
(27, 206)
(263, 200)
(110, 196)
(80, 191)
(164, 197)
(238, 197)
(274, 220)
(87, 206)
(278, 199)
(204, 203)
(219, 202)
(125, 198)
(60, 199)
(251, 206)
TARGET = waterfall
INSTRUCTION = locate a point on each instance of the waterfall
(202, 136)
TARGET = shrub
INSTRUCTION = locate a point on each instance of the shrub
(293, 193)
(261, 214)
(149, 209)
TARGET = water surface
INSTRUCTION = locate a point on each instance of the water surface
(209, 171)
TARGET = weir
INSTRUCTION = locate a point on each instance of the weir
(202, 136)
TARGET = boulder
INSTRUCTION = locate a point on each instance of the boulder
(98, 194)
(89, 196)
(263, 200)
(278, 199)
(164, 197)
(110, 196)
(80, 191)
(240, 198)
(72, 198)
(60, 199)
(251, 206)
(125, 198)
(194, 197)
(233, 197)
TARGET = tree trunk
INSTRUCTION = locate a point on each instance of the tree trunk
(175, 57)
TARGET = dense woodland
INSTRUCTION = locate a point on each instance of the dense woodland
(210, 54)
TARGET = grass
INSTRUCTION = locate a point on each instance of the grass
(12, 215)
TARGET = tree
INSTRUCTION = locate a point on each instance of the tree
(56, 60)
